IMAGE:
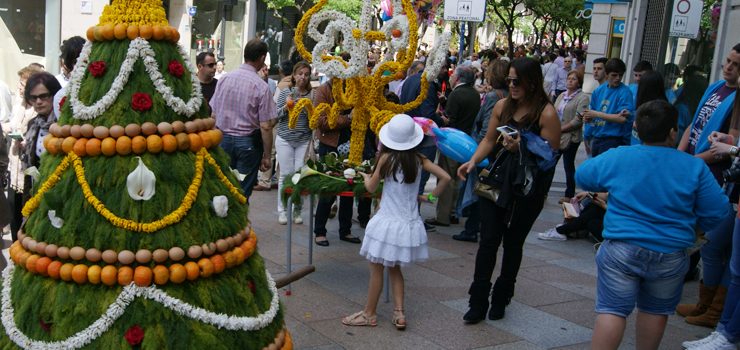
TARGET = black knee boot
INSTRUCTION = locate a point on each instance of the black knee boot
(501, 296)
(478, 302)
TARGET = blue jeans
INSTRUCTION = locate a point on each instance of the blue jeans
(245, 153)
(630, 275)
(729, 324)
(716, 253)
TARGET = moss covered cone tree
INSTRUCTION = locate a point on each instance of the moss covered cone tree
(137, 233)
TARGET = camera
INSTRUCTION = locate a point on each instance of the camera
(508, 130)
(733, 173)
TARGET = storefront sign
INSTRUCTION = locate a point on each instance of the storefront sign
(192, 10)
(618, 27)
(465, 10)
(686, 18)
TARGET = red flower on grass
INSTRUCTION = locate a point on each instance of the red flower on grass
(134, 335)
(61, 102)
(97, 68)
(46, 327)
(175, 68)
(141, 102)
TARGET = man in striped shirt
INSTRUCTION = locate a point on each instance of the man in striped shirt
(245, 112)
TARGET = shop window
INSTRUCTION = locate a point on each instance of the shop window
(217, 27)
(26, 23)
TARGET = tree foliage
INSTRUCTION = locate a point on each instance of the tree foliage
(508, 11)
(351, 8)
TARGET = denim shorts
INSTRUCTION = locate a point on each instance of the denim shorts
(630, 275)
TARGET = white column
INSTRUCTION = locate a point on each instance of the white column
(250, 21)
(52, 35)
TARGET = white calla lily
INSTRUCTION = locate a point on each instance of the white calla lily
(296, 177)
(56, 221)
(141, 182)
(221, 206)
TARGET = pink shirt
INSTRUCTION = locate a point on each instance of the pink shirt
(242, 100)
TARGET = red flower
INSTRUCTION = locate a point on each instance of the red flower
(46, 327)
(250, 284)
(141, 102)
(351, 181)
(61, 102)
(175, 68)
(134, 335)
(97, 68)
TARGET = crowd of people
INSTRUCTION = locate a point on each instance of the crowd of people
(526, 114)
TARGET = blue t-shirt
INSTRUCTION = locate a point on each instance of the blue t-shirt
(648, 204)
(633, 89)
(610, 100)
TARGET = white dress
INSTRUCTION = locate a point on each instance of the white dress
(396, 234)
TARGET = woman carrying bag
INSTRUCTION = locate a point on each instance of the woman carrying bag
(529, 113)
(569, 106)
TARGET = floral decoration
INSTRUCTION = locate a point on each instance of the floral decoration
(175, 68)
(138, 48)
(138, 12)
(148, 227)
(118, 308)
(97, 68)
(134, 335)
(141, 102)
(61, 102)
(46, 327)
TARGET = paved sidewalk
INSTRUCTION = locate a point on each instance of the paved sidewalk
(552, 307)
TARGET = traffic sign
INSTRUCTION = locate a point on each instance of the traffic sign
(686, 18)
(465, 10)
(192, 10)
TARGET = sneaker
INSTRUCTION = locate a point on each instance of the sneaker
(551, 235)
(297, 219)
(282, 219)
(715, 341)
(430, 228)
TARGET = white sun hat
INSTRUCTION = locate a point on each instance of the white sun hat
(401, 133)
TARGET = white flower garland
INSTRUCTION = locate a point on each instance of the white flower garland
(357, 48)
(118, 307)
(137, 48)
(437, 56)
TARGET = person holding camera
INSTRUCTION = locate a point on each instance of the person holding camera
(509, 219)
(643, 259)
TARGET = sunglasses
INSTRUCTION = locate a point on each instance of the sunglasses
(513, 81)
(33, 98)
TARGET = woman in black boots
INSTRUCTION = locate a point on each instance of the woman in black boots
(521, 194)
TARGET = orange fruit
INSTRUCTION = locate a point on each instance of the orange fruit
(239, 254)
(138, 144)
(219, 264)
(132, 31)
(123, 145)
(92, 147)
(161, 274)
(108, 146)
(54, 269)
(42, 264)
(47, 139)
(145, 31)
(183, 141)
(169, 143)
(206, 267)
(193, 270)
(396, 33)
(68, 144)
(90, 33)
(108, 275)
(119, 31)
(195, 142)
(125, 275)
(216, 136)
(157, 32)
(178, 273)
(98, 33)
(24, 257)
(290, 103)
(31, 263)
(79, 147)
(93, 274)
(143, 276)
(174, 35)
(154, 143)
(79, 273)
(51, 146)
(107, 30)
(230, 259)
(65, 272)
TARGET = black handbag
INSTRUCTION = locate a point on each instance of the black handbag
(491, 179)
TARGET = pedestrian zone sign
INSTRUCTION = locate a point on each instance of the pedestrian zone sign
(465, 10)
(685, 19)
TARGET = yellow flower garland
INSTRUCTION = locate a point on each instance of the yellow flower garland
(136, 12)
(168, 220)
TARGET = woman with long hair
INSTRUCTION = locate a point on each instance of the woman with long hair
(651, 87)
(511, 216)
(291, 144)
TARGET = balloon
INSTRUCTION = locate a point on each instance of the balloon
(426, 125)
(456, 144)
(387, 7)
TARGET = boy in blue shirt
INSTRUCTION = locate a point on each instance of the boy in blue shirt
(608, 121)
(648, 226)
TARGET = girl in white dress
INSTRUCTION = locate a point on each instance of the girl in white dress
(395, 236)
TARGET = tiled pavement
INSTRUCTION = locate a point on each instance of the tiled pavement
(552, 307)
